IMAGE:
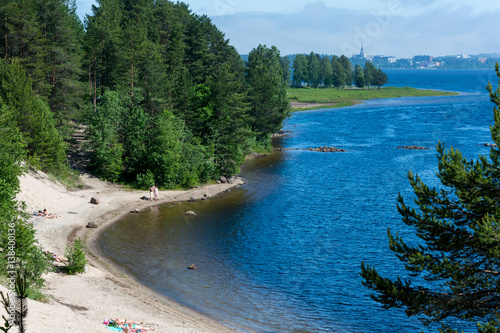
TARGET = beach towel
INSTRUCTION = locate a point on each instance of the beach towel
(119, 329)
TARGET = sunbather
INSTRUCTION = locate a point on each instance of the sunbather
(129, 328)
(56, 257)
(128, 325)
(46, 214)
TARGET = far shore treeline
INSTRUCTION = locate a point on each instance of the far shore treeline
(316, 71)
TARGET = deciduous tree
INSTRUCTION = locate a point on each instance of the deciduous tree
(379, 78)
(267, 91)
(359, 76)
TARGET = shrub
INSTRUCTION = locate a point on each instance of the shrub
(145, 180)
(76, 258)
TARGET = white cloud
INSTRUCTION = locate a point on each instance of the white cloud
(389, 30)
(400, 28)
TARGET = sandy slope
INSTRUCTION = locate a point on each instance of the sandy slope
(80, 303)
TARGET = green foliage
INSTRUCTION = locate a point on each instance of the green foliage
(165, 149)
(11, 155)
(313, 70)
(347, 66)
(22, 292)
(299, 70)
(359, 76)
(267, 91)
(19, 304)
(338, 76)
(145, 180)
(34, 119)
(379, 78)
(76, 258)
(459, 253)
(18, 246)
(27, 253)
(103, 134)
(370, 72)
(6, 304)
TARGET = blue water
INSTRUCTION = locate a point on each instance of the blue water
(283, 252)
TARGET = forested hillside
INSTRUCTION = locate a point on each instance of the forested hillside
(162, 94)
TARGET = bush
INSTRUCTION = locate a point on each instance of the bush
(145, 180)
(76, 258)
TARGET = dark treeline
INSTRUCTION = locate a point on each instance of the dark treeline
(316, 71)
(162, 94)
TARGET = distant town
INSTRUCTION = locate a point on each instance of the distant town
(462, 61)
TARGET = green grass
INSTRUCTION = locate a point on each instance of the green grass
(347, 97)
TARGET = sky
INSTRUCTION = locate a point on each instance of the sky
(399, 28)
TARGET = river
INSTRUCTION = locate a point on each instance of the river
(283, 252)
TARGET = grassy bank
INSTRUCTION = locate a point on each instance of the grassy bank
(312, 98)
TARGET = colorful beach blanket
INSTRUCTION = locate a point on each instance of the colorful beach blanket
(119, 329)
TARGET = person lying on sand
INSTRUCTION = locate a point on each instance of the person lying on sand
(55, 257)
(128, 325)
(46, 214)
(129, 328)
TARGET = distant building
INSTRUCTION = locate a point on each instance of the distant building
(381, 60)
(422, 58)
(361, 54)
(482, 59)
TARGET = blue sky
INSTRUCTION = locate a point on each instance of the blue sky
(400, 28)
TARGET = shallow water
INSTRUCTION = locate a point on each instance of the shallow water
(283, 252)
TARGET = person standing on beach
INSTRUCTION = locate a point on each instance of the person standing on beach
(151, 190)
(156, 192)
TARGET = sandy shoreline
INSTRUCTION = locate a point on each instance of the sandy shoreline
(104, 291)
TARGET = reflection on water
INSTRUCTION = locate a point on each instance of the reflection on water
(283, 252)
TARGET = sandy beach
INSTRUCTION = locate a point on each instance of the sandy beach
(81, 302)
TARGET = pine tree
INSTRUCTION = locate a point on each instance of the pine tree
(45, 146)
(455, 269)
(23, 39)
(101, 45)
(63, 33)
